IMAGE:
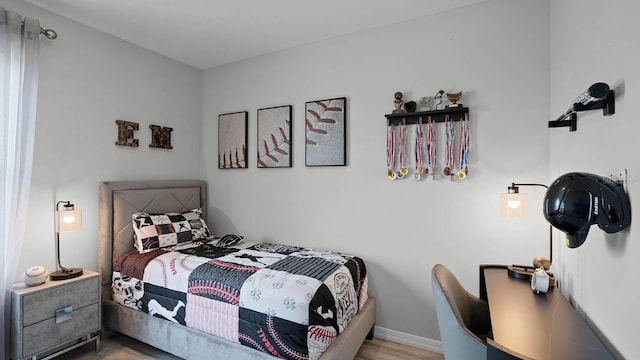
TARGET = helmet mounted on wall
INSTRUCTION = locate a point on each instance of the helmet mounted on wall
(575, 201)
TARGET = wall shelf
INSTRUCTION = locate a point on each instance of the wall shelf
(599, 96)
(455, 114)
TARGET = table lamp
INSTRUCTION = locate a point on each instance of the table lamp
(515, 204)
(68, 219)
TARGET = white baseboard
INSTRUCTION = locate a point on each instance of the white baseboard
(408, 339)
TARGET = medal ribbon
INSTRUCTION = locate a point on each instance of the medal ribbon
(391, 149)
(463, 154)
(431, 145)
(450, 145)
(418, 148)
(402, 154)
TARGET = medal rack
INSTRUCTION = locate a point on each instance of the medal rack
(436, 116)
(398, 166)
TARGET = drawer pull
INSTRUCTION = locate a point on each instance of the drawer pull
(64, 314)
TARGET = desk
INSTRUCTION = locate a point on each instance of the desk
(534, 326)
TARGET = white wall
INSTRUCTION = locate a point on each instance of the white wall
(87, 81)
(496, 52)
(591, 42)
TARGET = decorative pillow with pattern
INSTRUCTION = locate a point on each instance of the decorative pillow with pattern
(154, 231)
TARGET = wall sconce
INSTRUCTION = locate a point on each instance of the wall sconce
(597, 96)
(68, 219)
(515, 204)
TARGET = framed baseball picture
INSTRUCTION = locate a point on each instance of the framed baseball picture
(326, 132)
(274, 137)
(232, 140)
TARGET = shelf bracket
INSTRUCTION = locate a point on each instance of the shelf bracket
(570, 118)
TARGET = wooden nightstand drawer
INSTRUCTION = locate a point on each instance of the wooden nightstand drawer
(50, 319)
(43, 305)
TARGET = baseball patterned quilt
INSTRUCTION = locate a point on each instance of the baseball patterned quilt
(290, 302)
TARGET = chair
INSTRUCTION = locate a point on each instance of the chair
(463, 318)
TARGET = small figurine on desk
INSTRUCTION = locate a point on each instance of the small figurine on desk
(454, 98)
(540, 281)
(398, 103)
(438, 100)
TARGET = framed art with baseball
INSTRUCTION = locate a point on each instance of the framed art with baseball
(274, 137)
(232, 140)
(326, 132)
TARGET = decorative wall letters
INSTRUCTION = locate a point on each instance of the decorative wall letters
(125, 133)
(160, 136)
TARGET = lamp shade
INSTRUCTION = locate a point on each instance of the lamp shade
(69, 220)
(514, 205)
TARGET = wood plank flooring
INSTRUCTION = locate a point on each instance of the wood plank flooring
(120, 347)
(379, 349)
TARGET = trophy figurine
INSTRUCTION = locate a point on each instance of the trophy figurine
(437, 99)
(398, 102)
(454, 98)
(425, 103)
(410, 106)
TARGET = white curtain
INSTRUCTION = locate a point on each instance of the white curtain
(19, 49)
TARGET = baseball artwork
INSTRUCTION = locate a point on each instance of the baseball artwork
(232, 141)
(325, 132)
(274, 137)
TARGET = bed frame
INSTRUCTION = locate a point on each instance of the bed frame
(120, 199)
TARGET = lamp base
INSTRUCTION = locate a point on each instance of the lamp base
(65, 274)
(524, 272)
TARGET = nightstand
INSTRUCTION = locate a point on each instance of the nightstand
(50, 319)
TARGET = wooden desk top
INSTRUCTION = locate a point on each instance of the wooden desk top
(538, 326)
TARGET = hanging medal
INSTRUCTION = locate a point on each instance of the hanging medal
(449, 147)
(402, 153)
(463, 153)
(431, 148)
(391, 151)
(418, 151)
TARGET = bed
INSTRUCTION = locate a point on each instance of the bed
(118, 201)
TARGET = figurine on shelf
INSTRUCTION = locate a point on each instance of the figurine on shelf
(454, 98)
(398, 102)
(439, 103)
(425, 103)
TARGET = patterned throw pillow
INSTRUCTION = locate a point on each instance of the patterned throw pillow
(154, 231)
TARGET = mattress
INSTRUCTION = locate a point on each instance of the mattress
(289, 302)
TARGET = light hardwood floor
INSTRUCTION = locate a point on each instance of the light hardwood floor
(120, 347)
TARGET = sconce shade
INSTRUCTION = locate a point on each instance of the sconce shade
(514, 205)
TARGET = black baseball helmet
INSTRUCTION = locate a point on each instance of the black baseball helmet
(575, 201)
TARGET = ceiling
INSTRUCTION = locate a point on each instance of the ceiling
(206, 33)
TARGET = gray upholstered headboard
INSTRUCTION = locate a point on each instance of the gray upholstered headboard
(120, 199)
